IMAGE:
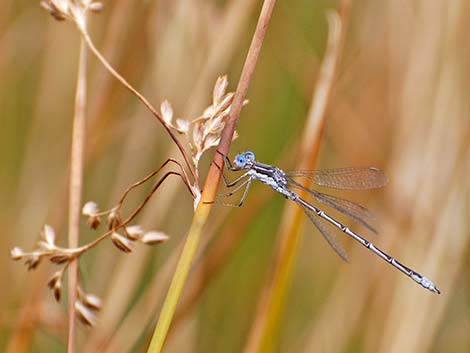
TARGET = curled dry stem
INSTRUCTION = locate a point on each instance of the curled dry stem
(47, 249)
(144, 100)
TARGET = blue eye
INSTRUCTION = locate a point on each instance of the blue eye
(250, 155)
(240, 161)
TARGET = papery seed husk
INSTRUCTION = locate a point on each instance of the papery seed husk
(57, 291)
(121, 242)
(84, 314)
(48, 234)
(134, 232)
(182, 126)
(226, 101)
(32, 262)
(93, 302)
(208, 113)
(211, 125)
(45, 246)
(56, 277)
(17, 253)
(93, 222)
(197, 136)
(211, 141)
(166, 111)
(96, 6)
(52, 9)
(219, 88)
(113, 220)
(60, 258)
(90, 209)
(151, 238)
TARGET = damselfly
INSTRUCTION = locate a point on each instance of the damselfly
(344, 178)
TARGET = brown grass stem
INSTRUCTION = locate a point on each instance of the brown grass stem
(75, 188)
(264, 330)
(203, 209)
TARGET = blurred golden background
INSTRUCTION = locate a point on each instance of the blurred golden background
(400, 102)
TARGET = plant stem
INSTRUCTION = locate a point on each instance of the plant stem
(75, 191)
(210, 187)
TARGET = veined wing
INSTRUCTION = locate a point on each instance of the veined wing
(354, 178)
(327, 234)
(351, 209)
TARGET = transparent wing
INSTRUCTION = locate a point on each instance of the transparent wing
(351, 209)
(354, 178)
(327, 234)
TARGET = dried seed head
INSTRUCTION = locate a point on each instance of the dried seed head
(56, 277)
(197, 135)
(134, 232)
(114, 221)
(59, 9)
(92, 301)
(182, 126)
(215, 125)
(42, 245)
(55, 283)
(208, 113)
(153, 237)
(17, 253)
(60, 258)
(96, 7)
(90, 209)
(93, 222)
(219, 88)
(212, 140)
(122, 243)
(57, 291)
(48, 235)
(167, 112)
(32, 261)
(85, 314)
(226, 101)
(208, 127)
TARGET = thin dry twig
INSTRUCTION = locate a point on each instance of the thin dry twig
(76, 12)
(146, 103)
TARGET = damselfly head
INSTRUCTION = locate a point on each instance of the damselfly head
(244, 160)
(250, 156)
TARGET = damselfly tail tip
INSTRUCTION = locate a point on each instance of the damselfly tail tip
(428, 284)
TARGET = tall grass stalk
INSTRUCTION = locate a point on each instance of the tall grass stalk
(210, 187)
(75, 188)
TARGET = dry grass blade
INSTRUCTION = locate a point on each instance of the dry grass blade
(75, 193)
(203, 209)
(264, 329)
